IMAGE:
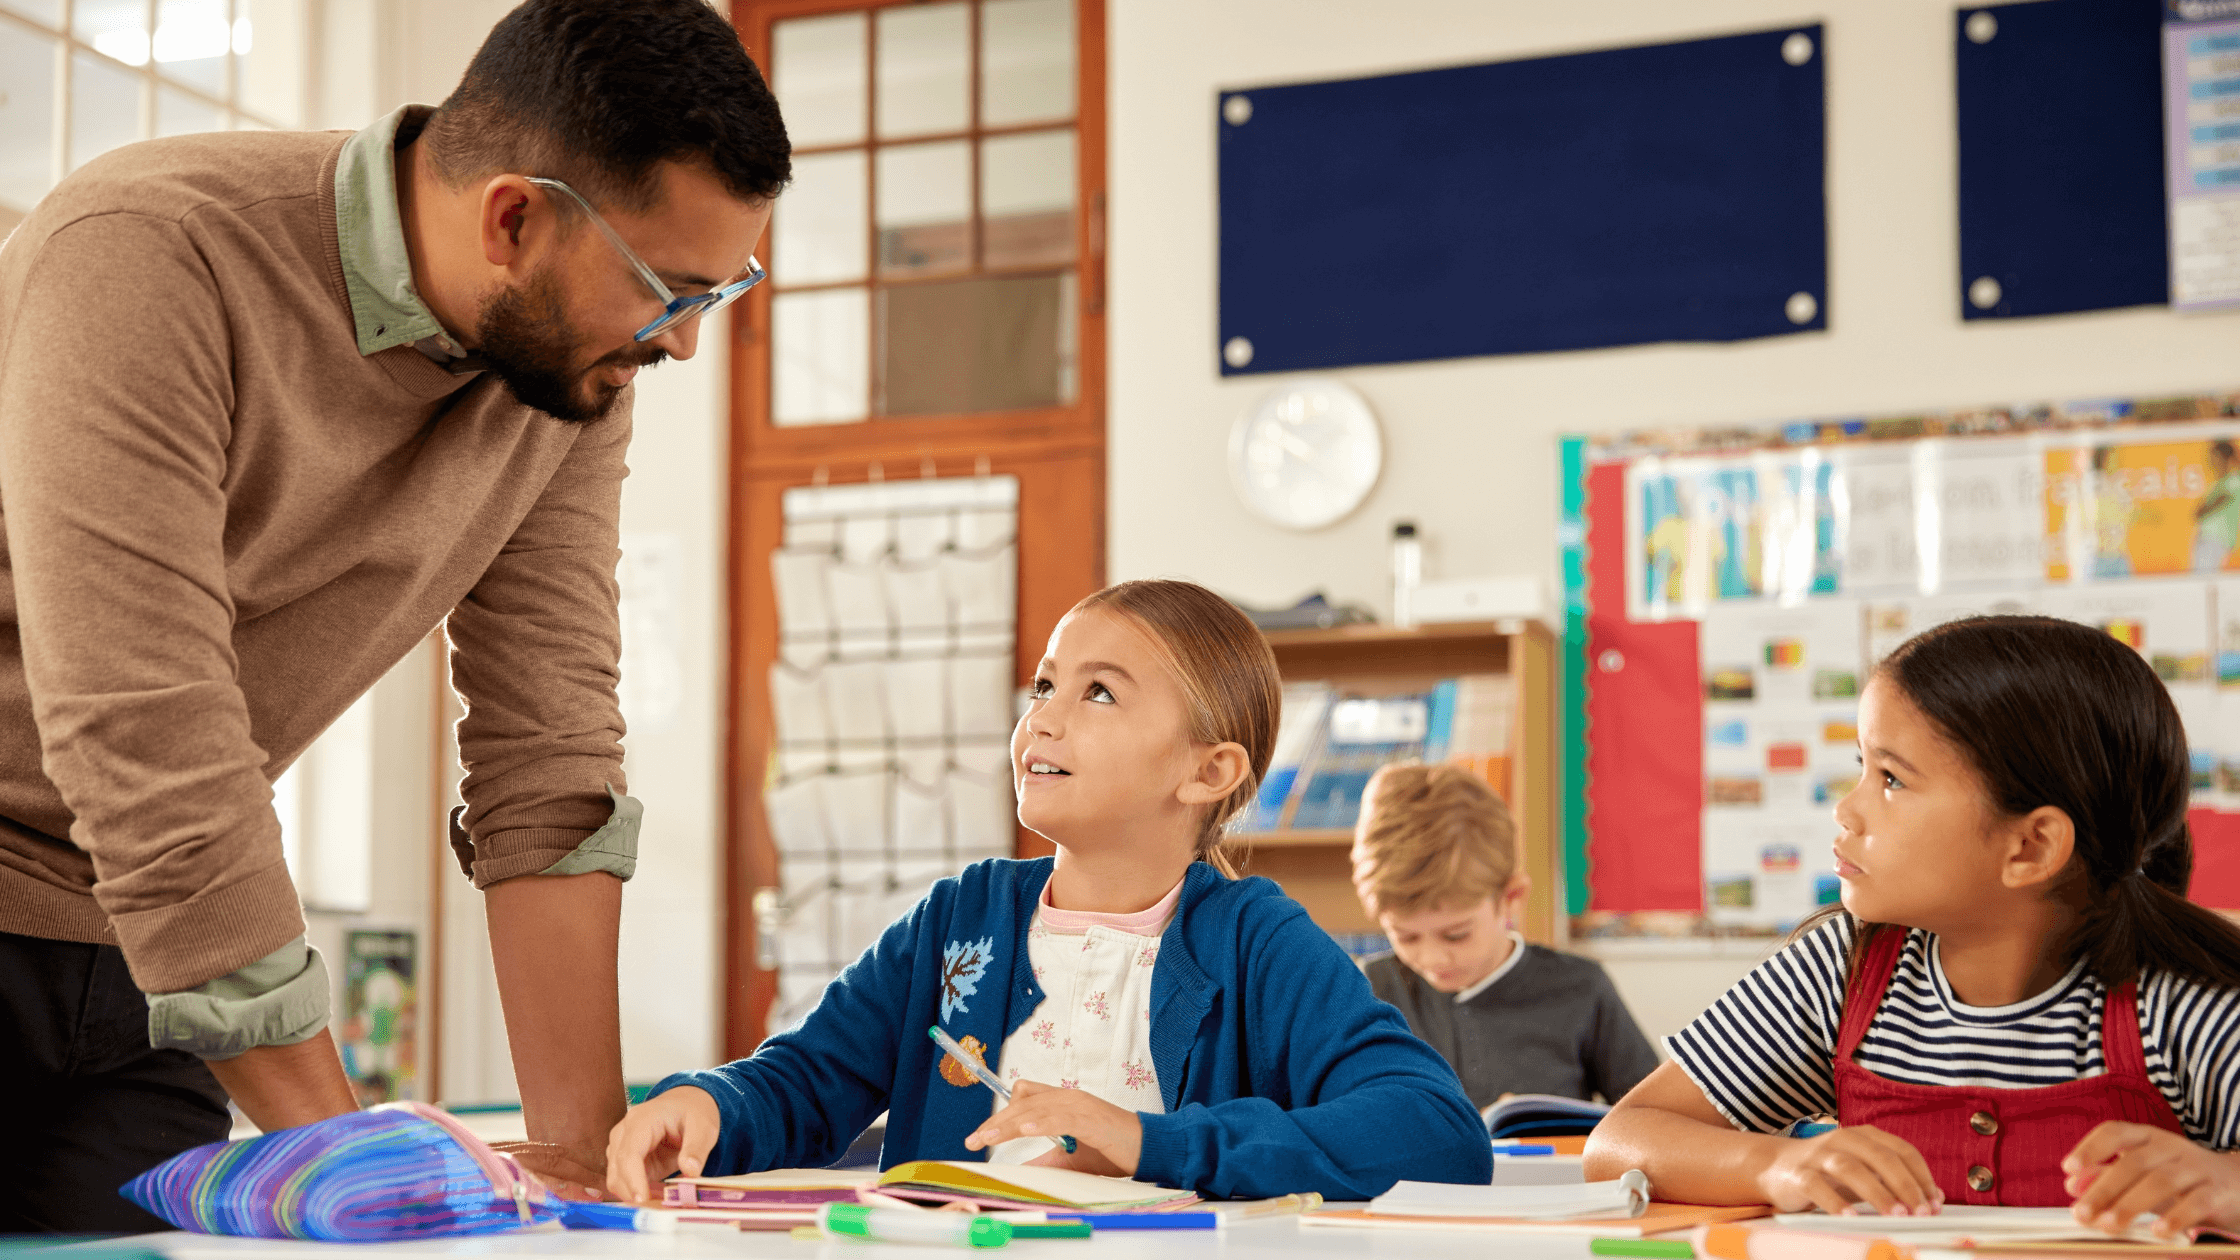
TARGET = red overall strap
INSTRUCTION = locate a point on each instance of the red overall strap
(1869, 982)
(2120, 1043)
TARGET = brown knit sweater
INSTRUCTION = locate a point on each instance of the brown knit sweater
(223, 524)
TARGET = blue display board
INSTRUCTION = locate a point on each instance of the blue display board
(2062, 203)
(1674, 192)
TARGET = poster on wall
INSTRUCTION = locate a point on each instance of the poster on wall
(379, 1033)
(2201, 93)
(1780, 715)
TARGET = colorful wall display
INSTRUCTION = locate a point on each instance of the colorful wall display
(1776, 566)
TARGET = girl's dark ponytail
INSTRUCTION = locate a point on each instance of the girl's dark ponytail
(2056, 713)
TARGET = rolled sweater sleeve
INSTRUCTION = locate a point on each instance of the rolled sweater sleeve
(535, 650)
(112, 476)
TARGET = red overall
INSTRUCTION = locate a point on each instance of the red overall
(1986, 1145)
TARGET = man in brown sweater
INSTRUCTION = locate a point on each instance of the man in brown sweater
(272, 407)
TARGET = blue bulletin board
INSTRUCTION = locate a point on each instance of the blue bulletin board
(1672, 192)
(2062, 198)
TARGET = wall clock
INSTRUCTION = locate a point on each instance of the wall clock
(1307, 454)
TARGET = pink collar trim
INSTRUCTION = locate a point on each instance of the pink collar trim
(1149, 922)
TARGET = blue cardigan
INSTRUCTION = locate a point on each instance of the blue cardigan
(1280, 1071)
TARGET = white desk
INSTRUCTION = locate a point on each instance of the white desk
(1281, 1239)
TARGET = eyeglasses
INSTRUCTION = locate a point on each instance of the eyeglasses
(677, 309)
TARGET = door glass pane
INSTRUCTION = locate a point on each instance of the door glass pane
(1026, 199)
(923, 69)
(116, 28)
(1026, 61)
(26, 117)
(104, 107)
(44, 12)
(925, 208)
(269, 39)
(178, 114)
(192, 38)
(819, 357)
(819, 71)
(819, 232)
(982, 344)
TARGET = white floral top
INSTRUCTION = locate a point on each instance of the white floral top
(1093, 1029)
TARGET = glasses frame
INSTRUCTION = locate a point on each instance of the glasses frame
(675, 310)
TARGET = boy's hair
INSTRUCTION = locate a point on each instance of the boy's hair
(1432, 835)
(598, 93)
(1228, 675)
(2052, 712)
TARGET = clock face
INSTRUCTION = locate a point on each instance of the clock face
(1307, 455)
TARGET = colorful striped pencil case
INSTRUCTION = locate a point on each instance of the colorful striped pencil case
(400, 1170)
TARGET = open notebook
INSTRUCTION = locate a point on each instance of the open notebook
(994, 1186)
(1609, 1209)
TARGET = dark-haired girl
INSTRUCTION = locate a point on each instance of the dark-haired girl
(2015, 1003)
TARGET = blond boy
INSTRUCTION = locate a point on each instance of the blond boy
(1434, 862)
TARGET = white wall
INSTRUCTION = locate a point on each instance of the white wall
(1471, 443)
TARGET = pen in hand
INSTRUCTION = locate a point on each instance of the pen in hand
(986, 1077)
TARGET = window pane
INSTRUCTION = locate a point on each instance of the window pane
(819, 233)
(1026, 199)
(819, 78)
(1026, 61)
(819, 357)
(104, 107)
(925, 208)
(26, 117)
(116, 28)
(192, 38)
(268, 37)
(984, 344)
(922, 69)
(178, 114)
(44, 12)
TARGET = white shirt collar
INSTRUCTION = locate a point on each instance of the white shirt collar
(1509, 964)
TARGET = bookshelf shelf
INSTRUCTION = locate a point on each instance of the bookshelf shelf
(1315, 865)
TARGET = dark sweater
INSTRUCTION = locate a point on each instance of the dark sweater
(1553, 1025)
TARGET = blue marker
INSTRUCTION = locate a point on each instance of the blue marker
(986, 1077)
(1523, 1148)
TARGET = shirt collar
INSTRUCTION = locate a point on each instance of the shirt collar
(1509, 964)
(376, 266)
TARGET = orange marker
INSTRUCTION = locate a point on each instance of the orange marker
(1740, 1242)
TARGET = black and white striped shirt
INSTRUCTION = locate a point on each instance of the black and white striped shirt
(1764, 1053)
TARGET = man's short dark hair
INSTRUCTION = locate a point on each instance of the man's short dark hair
(599, 93)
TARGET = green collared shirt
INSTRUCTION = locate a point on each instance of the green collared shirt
(284, 997)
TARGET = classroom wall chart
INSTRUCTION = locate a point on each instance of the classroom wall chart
(1743, 583)
(893, 699)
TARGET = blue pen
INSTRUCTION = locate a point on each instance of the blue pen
(1523, 1148)
(986, 1077)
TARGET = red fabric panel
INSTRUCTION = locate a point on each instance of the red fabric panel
(1644, 731)
(2216, 858)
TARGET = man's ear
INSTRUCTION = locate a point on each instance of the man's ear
(1220, 769)
(503, 217)
(2039, 846)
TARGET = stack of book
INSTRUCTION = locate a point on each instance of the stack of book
(783, 1198)
(1330, 743)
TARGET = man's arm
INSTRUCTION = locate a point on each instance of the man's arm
(553, 939)
(280, 1087)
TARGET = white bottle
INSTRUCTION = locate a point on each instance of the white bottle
(1407, 573)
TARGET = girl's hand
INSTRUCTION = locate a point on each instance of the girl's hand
(1038, 1110)
(2121, 1171)
(1856, 1164)
(671, 1133)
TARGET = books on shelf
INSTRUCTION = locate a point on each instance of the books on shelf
(1331, 741)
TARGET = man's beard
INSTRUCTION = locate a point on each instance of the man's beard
(527, 342)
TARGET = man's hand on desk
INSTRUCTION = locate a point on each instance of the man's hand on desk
(570, 1172)
(280, 1087)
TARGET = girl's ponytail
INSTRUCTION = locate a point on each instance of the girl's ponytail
(2056, 713)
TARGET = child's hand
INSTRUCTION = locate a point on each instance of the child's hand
(671, 1133)
(2121, 1171)
(1856, 1164)
(1038, 1110)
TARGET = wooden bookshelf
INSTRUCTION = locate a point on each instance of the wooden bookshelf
(1315, 866)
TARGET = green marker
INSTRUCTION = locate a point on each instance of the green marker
(1644, 1248)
